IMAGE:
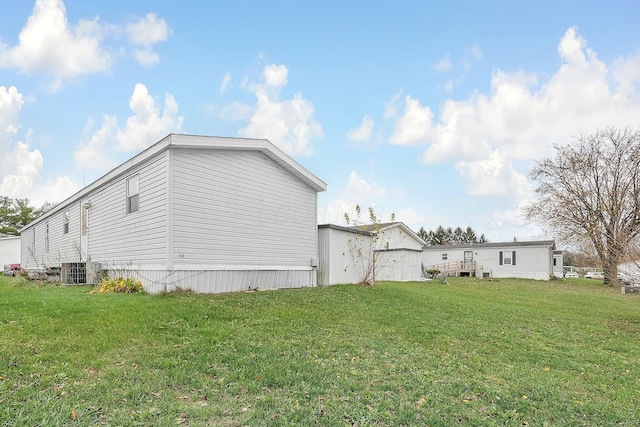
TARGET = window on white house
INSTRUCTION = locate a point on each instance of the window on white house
(65, 222)
(46, 238)
(444, 257)
(133, 194)
(507, 257)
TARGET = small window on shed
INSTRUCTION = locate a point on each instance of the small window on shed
(65, 222)
(444, 257)
(133, 193)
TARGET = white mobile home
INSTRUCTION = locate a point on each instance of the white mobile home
(203, 213)
(533, 260)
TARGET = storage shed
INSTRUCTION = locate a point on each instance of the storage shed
(9, 250)
(203, 213)
(345, 251)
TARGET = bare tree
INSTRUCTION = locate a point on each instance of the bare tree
(589, 193)
(367, 244)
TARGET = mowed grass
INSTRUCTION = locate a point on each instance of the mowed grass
(476, 353)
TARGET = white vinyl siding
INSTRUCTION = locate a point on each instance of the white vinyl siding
(65, 222)
(10, 250)
(337, 265)
(240, 208)
(123, 239)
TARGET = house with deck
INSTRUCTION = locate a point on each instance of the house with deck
(203, 213)
(532, 259)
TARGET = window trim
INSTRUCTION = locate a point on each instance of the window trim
(65, 222)
(131, 195)
(503, 259)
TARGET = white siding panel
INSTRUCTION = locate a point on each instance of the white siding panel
(336, 263)
(9, 250)
(396, 238)
(62, 247)
(399, 265)
(235, 208)
(218, 281)
(134, 238)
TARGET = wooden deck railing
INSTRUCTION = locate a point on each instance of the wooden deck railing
(453, 267)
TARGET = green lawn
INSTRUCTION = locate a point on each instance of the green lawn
(475, 353)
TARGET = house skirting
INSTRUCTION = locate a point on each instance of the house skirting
(217, 281)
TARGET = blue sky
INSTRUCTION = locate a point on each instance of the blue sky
(430, 110)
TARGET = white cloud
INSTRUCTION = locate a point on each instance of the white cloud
(146, 56)
(50, 45)
(626, 73)
(19, 166)
(476, 53)
(410, 218)
(20, 170)
(226, 83)
(415, 126)
(148, 30)
(11, 102)
(363, 132)
(276, 76)
(494, 176)
(96, 152)
(522, 117)
(54, 191)
(443, 65)
(357, 191)
(144, 33)
(147, 125)
(236, 111)
(289, 124)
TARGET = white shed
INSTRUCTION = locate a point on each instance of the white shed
(9, 250)
(337, 264)
(533, 260)
(204, 213)
(398, 252)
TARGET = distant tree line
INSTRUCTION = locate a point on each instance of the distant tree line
(450, 236)
(17, 213)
